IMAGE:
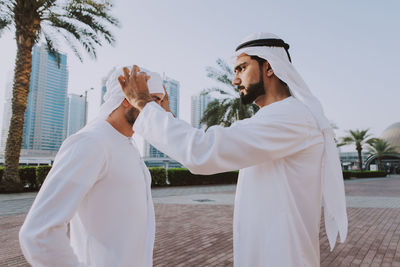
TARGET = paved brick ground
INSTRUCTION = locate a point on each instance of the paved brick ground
(382, 187)
(201, 235)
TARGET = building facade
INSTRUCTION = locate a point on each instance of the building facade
(172, 86)
(6, 115)
(152, 156)
(349, 160)
(390, 162)
(199, 104)
(45, 115)
(77, 113)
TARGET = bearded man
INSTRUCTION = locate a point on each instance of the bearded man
(286, 154)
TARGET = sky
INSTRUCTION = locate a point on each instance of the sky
(346, 51)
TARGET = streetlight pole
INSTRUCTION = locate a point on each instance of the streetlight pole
(85, 114)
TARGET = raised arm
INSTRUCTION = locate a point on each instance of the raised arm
(268, 136)
(245, 143)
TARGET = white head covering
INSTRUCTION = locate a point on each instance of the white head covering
(114, 95)
(332, 176)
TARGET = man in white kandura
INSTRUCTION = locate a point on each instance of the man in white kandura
(100, 185)
(286, 154)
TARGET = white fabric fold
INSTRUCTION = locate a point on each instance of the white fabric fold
(114, 95)
(332, 176)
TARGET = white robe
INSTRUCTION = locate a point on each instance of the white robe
(101, 186)
(278, 197)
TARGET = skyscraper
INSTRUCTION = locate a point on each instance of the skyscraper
(199, 105)
(44, 127)
(76, 113)
(172, 87)
(6, 115)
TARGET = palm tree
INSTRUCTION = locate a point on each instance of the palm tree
(227, 108)
(359, 138)
(72, 22)
(380, 148)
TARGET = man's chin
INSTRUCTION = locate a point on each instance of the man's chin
(246, 99)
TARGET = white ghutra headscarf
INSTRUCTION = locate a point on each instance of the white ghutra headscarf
(271, 48)
(114, 94)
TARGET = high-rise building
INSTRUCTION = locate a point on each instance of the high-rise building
(76, 113)
(44, 127)
(6, 115)
(172, 87)
(199, 105)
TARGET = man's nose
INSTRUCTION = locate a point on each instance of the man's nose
(236, 81)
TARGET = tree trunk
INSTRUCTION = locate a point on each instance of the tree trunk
(22, 72)
(379, 164)
(359, 158)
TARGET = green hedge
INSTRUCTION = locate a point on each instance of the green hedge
(41, 173)
(180, 177)
(27, 175)
(158, 176)
(363, 174)
(33, 177)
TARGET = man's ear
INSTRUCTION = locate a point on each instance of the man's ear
(269, 71)
(125, 103)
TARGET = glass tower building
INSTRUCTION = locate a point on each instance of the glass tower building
(45, 115)
(172, 87)
(6, 113)
(76, 113)
(199, 104)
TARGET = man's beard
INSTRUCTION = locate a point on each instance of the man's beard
(131, 116)
(253, 91)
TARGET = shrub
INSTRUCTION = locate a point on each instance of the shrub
(27, 175)
(363, 174)
(180, 176)
(41, 173)
(158, 176)
(1, 173)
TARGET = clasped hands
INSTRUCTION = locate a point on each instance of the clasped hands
(134, 86)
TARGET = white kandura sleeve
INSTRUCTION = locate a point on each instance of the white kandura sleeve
(43, 237)
(246, 143)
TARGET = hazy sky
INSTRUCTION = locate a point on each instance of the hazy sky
(347, 51)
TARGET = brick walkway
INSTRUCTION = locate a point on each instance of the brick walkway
(201, 234)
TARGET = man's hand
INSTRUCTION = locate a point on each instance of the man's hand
(134, 86)
(165, 101)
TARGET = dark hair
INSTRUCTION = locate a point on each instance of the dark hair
(261, 62)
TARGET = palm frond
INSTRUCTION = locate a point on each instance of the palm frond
(347, 140)
(225, 67)
(217, 90)
(211, 114)
(52, 48)
(6, 15)
(219, 76)
(81, 22)
(44, 5)
(68, 30)
(229, 108)
(381, 147)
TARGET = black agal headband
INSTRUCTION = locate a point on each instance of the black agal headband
(266, 42)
